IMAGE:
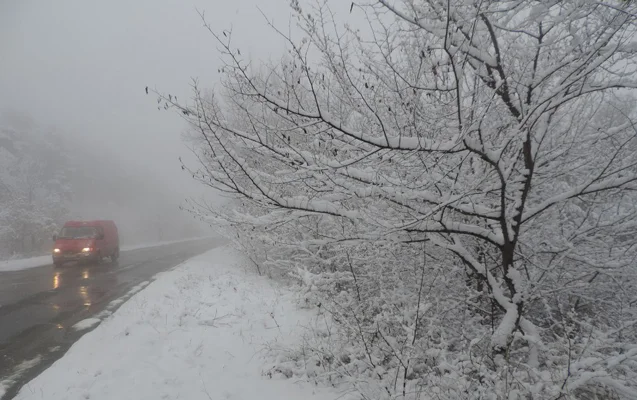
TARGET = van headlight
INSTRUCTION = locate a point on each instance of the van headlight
(86, 250)
(56, 250)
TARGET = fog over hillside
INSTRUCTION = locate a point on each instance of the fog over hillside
(51, 176)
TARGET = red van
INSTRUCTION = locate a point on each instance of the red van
(86, 240)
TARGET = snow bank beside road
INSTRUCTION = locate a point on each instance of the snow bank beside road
(24, 263)
(33, 262)
(157, 244)
(198, 331)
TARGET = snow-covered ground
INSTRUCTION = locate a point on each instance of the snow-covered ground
(164, 243)
(199, 331)
(33, 262)
(24, 263)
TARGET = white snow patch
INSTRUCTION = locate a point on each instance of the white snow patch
(107, 312)
(23, 367)
(86, 324)
(115, 303)
(164, 243)
(137, 288)
(24, 263)
(199, 331)
(103, 314)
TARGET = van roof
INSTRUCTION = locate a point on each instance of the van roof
(89, 223)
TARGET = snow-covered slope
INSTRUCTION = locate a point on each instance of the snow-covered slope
(199, 331)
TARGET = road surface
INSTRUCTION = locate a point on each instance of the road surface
(38, 306)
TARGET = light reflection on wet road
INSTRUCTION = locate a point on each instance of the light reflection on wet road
(39, 305)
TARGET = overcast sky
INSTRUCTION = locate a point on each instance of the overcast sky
(82, 66)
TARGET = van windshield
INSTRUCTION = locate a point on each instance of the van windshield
(78, 232)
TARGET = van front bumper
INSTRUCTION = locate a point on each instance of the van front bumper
(69, 256)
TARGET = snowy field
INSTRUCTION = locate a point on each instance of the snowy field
(199, 331)
(33, 262)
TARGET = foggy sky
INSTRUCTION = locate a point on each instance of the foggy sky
(82, 66)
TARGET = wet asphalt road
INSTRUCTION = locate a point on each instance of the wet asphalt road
(38, 306)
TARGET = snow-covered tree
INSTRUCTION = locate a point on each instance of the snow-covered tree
(34, 187)
(455, 182)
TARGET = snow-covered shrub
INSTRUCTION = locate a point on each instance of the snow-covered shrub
(34, 186)
(453, 186)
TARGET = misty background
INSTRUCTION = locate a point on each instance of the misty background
(79, 137)
(72, 96)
